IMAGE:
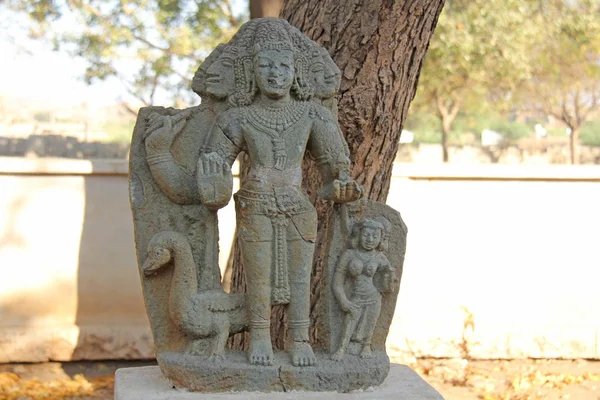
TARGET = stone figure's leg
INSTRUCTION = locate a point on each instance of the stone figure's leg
(350, 322)
(256, 245)
(370, 317)
(197, 347)
(300, 256)
(218, 346)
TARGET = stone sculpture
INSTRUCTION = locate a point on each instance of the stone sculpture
(269, 93)
(364, 258)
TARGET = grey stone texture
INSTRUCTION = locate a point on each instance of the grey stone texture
(147, 383)
(235, 373)
(266, 94)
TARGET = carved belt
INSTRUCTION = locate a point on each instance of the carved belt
(285, 201)
(276, 177)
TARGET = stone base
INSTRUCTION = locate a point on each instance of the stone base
(148, 383)
(200, 374)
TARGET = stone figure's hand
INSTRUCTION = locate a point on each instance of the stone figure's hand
(341, 191)
(215, 181)
(349, 307)
(390, 281)
(162, 129)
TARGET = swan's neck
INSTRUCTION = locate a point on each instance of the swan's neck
(184, 282)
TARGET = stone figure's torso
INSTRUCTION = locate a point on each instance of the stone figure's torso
(276, 143)
(362, 268)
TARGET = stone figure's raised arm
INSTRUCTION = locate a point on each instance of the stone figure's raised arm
(179, 185)
(331, 152)
(390, 280)
(214, 178)
(226, 137)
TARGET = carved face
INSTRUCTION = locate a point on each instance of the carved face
(220, 76)
(370, 238)
(274, 72)
(323, 78)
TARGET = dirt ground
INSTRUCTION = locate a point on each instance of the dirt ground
(454, 379)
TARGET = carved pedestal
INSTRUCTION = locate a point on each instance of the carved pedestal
(148, 383)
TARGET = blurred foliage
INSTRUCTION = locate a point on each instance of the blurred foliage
(426, 128)
(566, 73)
(590, 133)
(479, 48)
(150, 45)
(526, 57)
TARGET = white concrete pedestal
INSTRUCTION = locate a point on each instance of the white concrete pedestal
(148, 383)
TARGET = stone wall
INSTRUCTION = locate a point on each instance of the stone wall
(35, 146)
(513, 246)
(528, 153)
(47, 145)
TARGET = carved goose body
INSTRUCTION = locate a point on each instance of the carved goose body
(204, 313)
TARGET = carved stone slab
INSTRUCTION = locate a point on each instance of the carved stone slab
(339, 229)
(268, 93)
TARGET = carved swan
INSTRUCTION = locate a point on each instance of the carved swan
(200, 314)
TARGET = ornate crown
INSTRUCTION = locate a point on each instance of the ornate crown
(271, 35)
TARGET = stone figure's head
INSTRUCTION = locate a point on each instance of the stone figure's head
(370, 234)
(324, 76)
(199, 83)
(267, 55)
(273, 67)
(221, 74)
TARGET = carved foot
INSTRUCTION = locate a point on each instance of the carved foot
(302, 355)
(366, 351)
(260, 352)
(338, 355)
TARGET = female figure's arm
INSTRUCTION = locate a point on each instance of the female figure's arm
(390, 280)
(338, 282)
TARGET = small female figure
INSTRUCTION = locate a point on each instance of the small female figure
(360, 263)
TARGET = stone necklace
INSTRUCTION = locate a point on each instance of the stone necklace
(276, 121)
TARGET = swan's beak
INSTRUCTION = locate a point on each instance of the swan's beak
(156, 259)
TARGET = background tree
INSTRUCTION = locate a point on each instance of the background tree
(479, 51)
(150, 45)
(566, 70)
(265, 8)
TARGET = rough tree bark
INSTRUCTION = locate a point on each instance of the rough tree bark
(265, 8)
(379, 46)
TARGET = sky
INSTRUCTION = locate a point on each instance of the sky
(46, 76)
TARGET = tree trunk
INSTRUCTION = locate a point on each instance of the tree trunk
(379, 46)
(265, 8)
(574, 145)
(447, 110)
(445, 132)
